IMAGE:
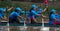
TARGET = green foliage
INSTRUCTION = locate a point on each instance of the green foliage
(27, 4)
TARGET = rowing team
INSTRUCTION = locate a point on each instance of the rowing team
(31, 14)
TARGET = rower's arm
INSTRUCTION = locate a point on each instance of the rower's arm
(9, 9)
(44, 15)
(45, 9)
(56, 19)
(22, 17)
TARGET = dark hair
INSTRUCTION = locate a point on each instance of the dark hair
(30, 9)
(50, 14)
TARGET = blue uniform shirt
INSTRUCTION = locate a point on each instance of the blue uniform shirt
(52, 17)
(14, 15)
(58, 17)
(2, 14)
(32, 13)
(39, 11)
(3, 9)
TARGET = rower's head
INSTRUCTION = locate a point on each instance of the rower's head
(18, 9)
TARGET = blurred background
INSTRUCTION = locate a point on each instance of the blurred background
(27, 3)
